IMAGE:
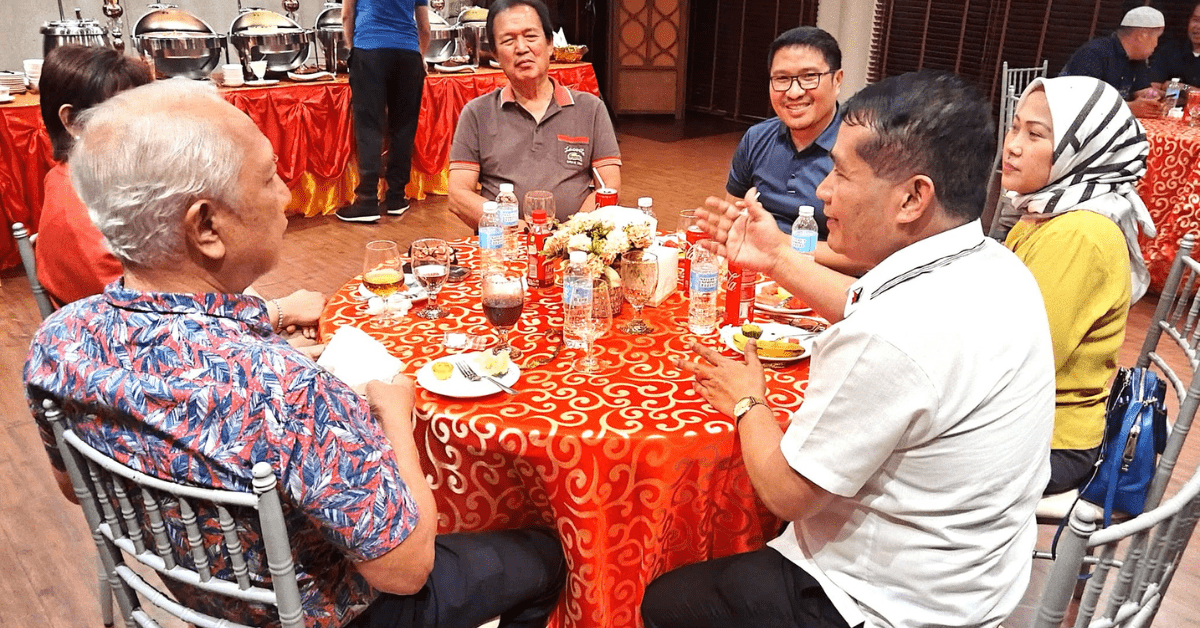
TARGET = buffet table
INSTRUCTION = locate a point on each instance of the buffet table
(308, 124)
(1171, 191)
(634, 471)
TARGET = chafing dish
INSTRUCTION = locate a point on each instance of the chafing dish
(332, 38)
(476, 43)
(260, 34)
(177, 43)
(76, 31)
(443, 39)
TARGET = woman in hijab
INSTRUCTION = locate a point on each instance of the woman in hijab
(1071, 160)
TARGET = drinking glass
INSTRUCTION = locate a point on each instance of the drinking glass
(535, 199)
(382, 272)
(431, 266)
(259, 68)
(503, 300)
(639, 276)
(597, 325)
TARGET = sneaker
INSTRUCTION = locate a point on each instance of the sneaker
(397, 208)
(358, 213)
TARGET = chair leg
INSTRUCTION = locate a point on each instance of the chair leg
(106, 595)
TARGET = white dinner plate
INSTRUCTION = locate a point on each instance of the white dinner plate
(775, 308)
(458, 385)
(262, 83)
(452, 69)
(304, 78)
(7, 99)
(773, 331)
(412, 290)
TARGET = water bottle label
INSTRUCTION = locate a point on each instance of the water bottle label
(576, 293)
(703, 282)
(804, 241)
(491, 237)
(508, 215)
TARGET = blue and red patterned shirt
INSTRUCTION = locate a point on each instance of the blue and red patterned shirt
(202, 389)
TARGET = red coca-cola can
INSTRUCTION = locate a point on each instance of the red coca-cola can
(606, 197)
(1192, 112)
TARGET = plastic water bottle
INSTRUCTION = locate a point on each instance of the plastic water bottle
(804, 232)
(506, 206)
(577, 301)
(1173, 91)
(702, 293)
(491, 240)
(646, 204)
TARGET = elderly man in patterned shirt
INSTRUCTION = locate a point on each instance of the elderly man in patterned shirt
(196, 387)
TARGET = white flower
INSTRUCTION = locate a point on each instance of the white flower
(579, 242)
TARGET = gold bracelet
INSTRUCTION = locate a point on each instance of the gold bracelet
(278, 316)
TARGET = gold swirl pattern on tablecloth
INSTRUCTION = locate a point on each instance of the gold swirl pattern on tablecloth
(634, 470)
(1171, 191)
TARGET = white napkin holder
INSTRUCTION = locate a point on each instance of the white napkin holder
(668, 272)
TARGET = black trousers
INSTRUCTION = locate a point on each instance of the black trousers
(515, 575)
(760, 589)
(385, 95)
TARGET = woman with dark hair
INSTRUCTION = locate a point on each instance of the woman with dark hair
(72, 259)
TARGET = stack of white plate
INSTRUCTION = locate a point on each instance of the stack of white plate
(14, 81)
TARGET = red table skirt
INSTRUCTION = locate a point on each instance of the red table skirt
(632, 469)
(1171, 191)
(309, 126)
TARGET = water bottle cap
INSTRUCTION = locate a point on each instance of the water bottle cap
(645, 201)
(506, 187)
(578, 257)
(539, 214)
(807, 210)
(489, 206)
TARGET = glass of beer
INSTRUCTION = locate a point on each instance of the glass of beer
(431, 266)
(503, 300)
(382, 273)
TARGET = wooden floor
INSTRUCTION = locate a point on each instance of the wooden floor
(47, 560)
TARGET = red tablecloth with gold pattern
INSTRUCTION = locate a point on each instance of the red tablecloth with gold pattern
(636, 473)
(1171, 191)
(308, 124)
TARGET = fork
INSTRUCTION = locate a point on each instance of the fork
(470, 374)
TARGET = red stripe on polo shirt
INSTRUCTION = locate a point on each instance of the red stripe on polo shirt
(464, 165)
(606, 161)
(573, 140)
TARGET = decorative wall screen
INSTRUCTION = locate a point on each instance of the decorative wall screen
(649, 47)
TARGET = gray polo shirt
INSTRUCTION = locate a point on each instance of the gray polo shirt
(500, 140)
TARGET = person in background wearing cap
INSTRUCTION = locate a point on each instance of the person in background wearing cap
(1179, 57)
(1120, 59)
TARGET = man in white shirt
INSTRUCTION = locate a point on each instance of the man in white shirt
(911, 471)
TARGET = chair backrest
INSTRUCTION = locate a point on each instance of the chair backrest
(25, 248)
(1178, 317)
(130, 514)
(1144, 552)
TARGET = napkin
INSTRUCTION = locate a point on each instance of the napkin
(668, 273)
(560, 39)
(356, 358)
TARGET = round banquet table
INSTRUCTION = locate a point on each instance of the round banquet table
(637, 474)
(1171, 191)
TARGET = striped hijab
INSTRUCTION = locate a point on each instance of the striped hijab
(1099, 155)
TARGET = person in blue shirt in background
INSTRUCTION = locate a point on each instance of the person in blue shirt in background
(1119, 59)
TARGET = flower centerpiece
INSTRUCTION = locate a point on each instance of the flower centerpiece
(604, 234)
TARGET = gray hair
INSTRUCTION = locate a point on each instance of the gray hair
(143, 158)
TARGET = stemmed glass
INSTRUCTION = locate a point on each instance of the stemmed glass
(259, 68)
(431, 265)
(382, 273)
(503, 300)
(639, 276)
(598, 324)
(535, 199)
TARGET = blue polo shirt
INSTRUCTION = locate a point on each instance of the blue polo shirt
(1104, 58)
(786, 178)
(382, 24)
(1175, 59)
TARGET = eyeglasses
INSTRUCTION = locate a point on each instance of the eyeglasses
(812, 80)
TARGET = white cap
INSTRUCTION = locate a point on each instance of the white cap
(645, 201)
(578, 257)
(1144, 17)
(489, 206)
(807, 210)
(506, 187)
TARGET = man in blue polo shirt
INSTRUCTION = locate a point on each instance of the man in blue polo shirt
(787, 157)
(1120, 59)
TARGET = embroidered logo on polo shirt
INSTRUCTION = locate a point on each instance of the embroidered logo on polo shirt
(574, 155)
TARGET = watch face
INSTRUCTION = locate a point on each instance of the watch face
(743, 406)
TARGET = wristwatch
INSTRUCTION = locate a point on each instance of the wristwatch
(743, 406)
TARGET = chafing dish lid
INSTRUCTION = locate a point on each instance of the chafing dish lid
(73, 27)
(170, 19)
(255, 21)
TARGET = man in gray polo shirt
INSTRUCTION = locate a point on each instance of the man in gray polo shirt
(533, 133)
